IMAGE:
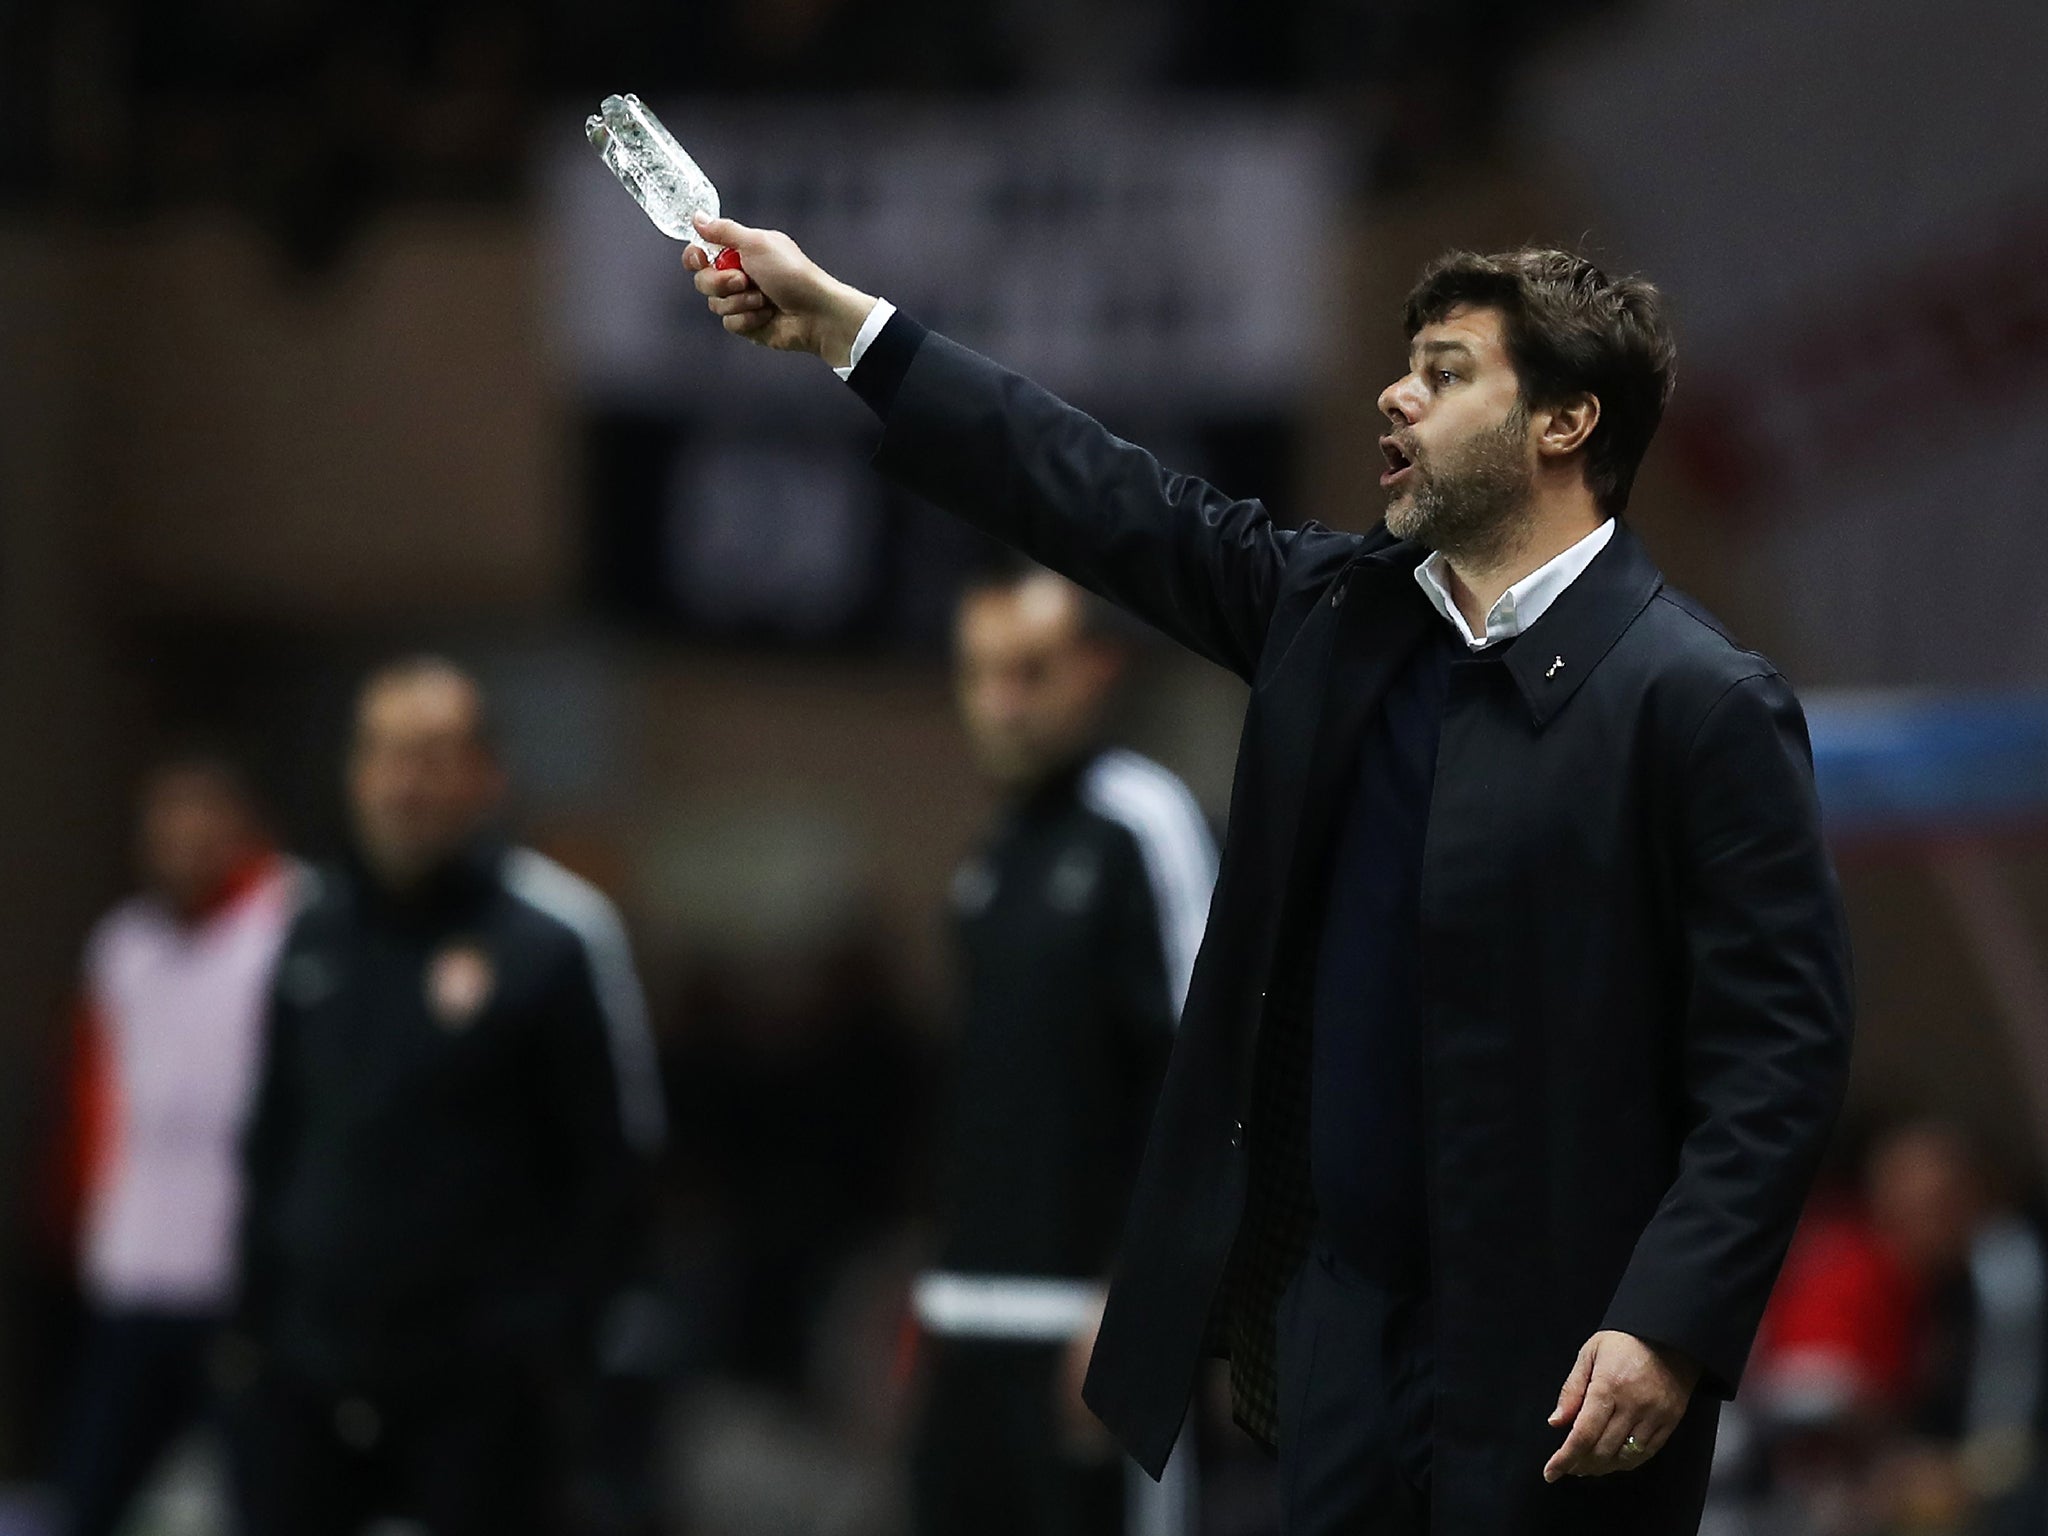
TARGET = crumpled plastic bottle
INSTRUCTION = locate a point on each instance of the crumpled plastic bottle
(663, 179)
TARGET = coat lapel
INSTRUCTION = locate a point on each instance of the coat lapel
(1561, 649)
(1378, 617)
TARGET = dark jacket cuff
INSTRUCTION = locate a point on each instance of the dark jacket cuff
(880, 371)
(1670, 1325)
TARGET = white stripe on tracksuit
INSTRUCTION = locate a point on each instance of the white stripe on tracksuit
(588, 913)
(1173, 839)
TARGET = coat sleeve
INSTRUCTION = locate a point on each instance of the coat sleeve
(1765, 1050)
(1034, 472)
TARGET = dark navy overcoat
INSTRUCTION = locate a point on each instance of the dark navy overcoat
(1634, 966)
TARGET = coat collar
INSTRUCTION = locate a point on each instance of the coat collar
(1559, 651)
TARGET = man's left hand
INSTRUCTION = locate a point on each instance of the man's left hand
(1622, 1400)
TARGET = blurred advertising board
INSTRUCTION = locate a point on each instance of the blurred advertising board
(1156, 263)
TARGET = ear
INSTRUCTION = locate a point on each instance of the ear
(1565, 428)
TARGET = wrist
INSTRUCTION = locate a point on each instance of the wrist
(846, 310)
(1679, 1362)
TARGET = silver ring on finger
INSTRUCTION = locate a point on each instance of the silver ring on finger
(1634, 1447)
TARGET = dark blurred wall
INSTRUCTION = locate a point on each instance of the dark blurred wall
(70, 708)
(375, 444)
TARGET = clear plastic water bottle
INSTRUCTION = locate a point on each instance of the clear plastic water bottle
(654, 168)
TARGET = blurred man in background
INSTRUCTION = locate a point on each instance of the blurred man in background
(455, 1096)
(175, 983)
(1900, 1368)
(1077, 924)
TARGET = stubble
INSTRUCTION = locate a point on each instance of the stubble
(1472, 504)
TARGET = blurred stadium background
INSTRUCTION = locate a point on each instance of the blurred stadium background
(323, 336)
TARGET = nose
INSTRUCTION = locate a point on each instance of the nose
(1398, 402)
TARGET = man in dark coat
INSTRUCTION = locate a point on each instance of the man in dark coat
(1522, 1015)
(451, 1122)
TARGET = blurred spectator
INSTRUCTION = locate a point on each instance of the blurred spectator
(1077, 924)
(1899, 1375)
(455, 1100)
(175, 983)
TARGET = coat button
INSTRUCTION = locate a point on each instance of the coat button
(1237, 1133)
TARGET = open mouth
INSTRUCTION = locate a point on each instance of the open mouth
(1398, 462)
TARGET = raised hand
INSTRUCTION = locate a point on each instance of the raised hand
(777, 296)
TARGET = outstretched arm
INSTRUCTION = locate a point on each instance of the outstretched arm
(1014, 460)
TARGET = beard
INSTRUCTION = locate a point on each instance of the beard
(1471, 503)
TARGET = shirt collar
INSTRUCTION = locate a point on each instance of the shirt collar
(1523, 603)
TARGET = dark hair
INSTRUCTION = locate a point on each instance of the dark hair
(1569, 329)
(1101, 622)
(205, 761)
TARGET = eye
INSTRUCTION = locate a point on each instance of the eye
(1445, 376)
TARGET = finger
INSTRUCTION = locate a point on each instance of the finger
(1607, 1454)
(728, 232)
(747, 324)
(1653, 1442)
(1649, 1441)
(1574, 1390)
(1586, 1431)
(738, 304)
(713, 283)
(694, 259)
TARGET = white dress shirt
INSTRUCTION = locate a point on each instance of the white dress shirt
(870, 328)
(1523, 603)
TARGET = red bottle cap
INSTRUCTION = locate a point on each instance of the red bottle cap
(728, 260)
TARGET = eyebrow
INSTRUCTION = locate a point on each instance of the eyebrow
(1438, 348)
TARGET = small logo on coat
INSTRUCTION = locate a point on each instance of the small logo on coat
(460, 980)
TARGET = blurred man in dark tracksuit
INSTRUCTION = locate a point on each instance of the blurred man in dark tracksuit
(1077, 923)
(456, 1096)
